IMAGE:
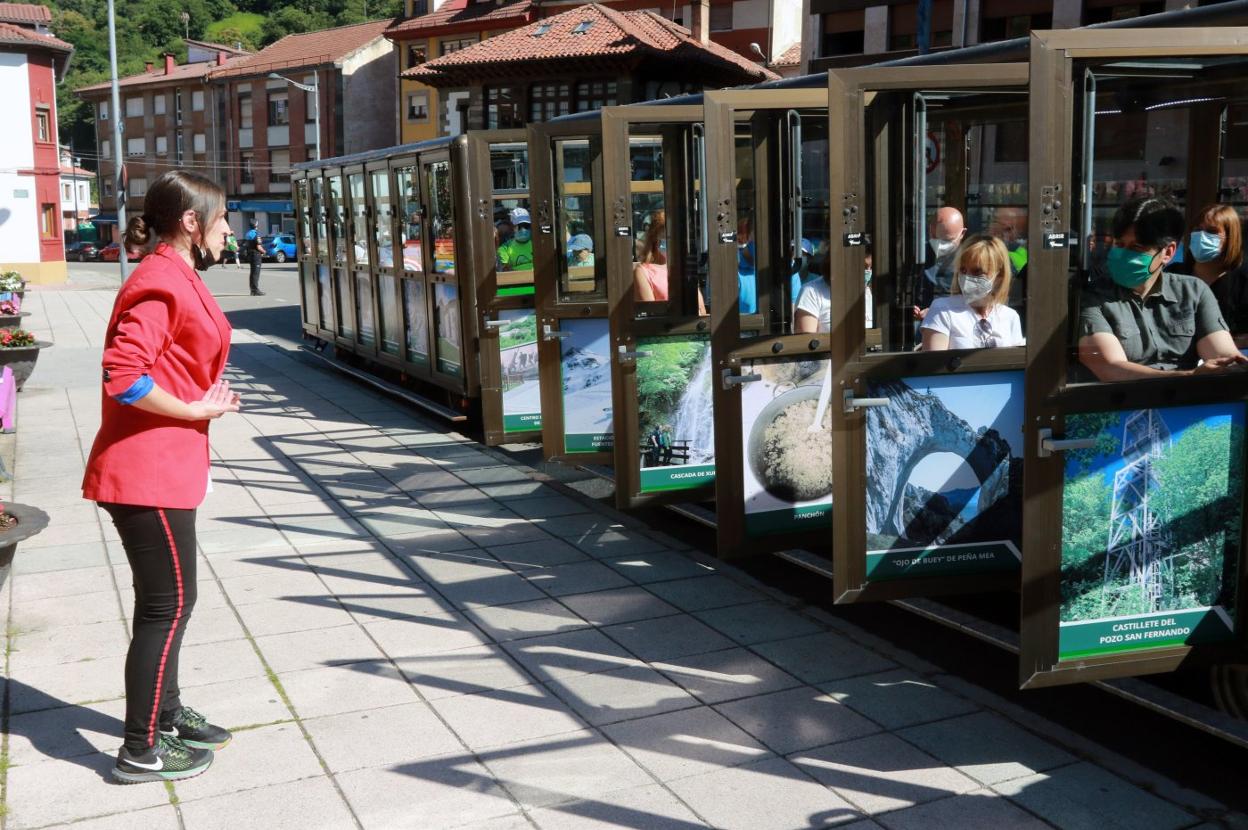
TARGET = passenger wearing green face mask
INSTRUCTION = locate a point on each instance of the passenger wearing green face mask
(1147, 321)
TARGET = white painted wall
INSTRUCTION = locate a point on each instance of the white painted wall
(786, 26)
(19, 219)
(17, 148)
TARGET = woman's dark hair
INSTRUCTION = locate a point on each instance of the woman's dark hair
(170, 196)
(1157, 222)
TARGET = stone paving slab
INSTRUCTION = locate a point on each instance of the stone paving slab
(407, 630)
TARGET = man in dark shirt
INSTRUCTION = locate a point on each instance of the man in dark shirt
(1147, 322)
(251, 243)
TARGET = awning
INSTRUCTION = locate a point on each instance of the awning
(261, 206)
(103, 219)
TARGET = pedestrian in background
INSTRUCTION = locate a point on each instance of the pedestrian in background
(254, 254)
(231, 249)
(164, 352)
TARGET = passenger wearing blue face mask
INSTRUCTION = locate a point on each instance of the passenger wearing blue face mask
(1147, 321)
(1215, 254)
(516, 254)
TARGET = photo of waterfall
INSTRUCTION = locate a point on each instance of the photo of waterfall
(944, 475)
(675, 413)
(1150, 528)
(517, 350)
(788, 466)
(586, 371)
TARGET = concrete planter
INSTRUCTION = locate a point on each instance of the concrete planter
(31, 521)
(13, 321)
(22, 359)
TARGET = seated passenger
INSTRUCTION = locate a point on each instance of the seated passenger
(747, 269)
(801, 274)
(1147, 321)
(937, 276)
(516, 254)
(1215, 254)
(650, 270)
(869, 300)
(976, 315)
(814, 301)
(580, 250)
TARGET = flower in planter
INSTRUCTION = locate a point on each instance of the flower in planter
(12, 306)
(16, 338)
(11, 281)
(7, 519)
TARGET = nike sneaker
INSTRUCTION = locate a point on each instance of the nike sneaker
(194, 730)
(168, 760)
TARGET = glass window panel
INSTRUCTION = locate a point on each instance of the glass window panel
(338, 219)
(513, 235)
(325, 297)
(807, 221)
(648, 212)
(390, 326)
(382, 225)
(575, 212)
(304, 214)
(367, 334)
(416, 316)
(320, 218)
(359, 219)
(441, 217)
(410, 221)
(346, 322)
(747, 248)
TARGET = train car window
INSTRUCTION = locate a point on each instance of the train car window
(359, 219)
(513, 228)
(956, 278)
(338, 219)
(747, 247)
(698, 229)
(800, 291)
(389, 325)
(447, 329)
(584, 278)
(408, 193)
(321, 218)
(382, 231)
(1160, 285)
(442, 221)
(305, 225)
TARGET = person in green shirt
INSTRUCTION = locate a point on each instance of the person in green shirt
(516, 254)
(1146, 321)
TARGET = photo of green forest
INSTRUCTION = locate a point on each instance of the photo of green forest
(1151, 513)
(674, 396)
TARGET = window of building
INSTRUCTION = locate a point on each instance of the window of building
(1103, 11)
(43, 124)
(279, 109)
(246, 173)
(197, 100)
(108, 189)
(903, 26)
(721, 18)
(418, 8)
(417, 53)
(106, 149)
(66, 191)
(103, 110)
(177, 105)
(162, 145)
(48, 223)
(244, 111)
(844, 33)
(418, 107)
(279, 162)
(134, 107)
(138, 187)
(310, 102)
(158, 103)
(547, 101)
(446, 47)
(180, 146)
(136, 146)
(199, 143)
(594, 95)
(504, 107)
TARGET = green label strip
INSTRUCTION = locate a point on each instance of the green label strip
(1161, 629)
(946, 560)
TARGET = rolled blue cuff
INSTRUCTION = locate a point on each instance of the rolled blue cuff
(137, 390)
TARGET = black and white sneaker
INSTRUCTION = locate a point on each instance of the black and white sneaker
(168, 760)
(194, 730)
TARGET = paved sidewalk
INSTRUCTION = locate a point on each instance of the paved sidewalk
(405, 631)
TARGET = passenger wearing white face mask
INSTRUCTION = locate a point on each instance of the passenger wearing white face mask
(938, 274)
(975, 315)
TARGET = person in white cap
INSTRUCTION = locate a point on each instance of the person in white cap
(516, 254)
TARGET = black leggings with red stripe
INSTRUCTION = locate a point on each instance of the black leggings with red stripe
(160, 544)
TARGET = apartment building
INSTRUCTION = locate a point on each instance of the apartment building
(273, 120)
(77, 205)
(32, 61)
(170, 120)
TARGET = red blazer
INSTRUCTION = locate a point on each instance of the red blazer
(165, 324)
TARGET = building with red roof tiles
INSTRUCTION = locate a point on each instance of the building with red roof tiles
(31, 63)
(446, 102)
(273, 123)
(172, 120)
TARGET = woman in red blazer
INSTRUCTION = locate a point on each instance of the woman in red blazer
(165, 350)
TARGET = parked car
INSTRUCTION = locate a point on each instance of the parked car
(111, 252)
(280, 247)
(82, 252)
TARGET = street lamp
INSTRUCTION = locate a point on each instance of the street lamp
(313, 88)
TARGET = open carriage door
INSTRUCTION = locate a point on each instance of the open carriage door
(656, 285)
(928, 443)
(767, 183)
(498, 167)
(573, 346)
(1134, 473)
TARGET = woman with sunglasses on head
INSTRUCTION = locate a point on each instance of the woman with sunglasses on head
(1146, 321)
(1215, 254)
(976, 314)
(164, 352)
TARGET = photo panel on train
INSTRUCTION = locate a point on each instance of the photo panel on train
(1137, 399)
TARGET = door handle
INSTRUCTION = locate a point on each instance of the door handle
(729, 380)
(625, 354)
(852, 403)
(550, 334)
(1050, 445)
